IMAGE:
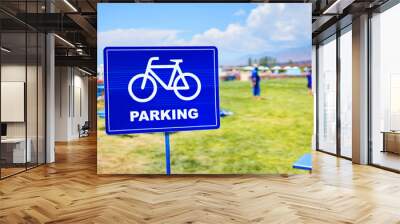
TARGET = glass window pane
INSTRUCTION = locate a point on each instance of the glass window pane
(41, 98)
(327, 96)
(31, 97)
(13, 86)
(346, 94)
(385, 89)
(23, 90)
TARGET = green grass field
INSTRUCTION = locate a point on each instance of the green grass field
(263, 136)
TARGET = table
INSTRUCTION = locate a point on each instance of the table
(16, 147)
(391, 141)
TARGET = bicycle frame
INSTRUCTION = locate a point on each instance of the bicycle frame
(176, 77)
(176, 69)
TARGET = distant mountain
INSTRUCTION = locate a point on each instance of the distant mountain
(300, 54)
(295, 54)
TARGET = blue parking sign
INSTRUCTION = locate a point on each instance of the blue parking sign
(161, 89)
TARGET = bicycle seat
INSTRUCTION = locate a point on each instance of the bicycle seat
(176, 60)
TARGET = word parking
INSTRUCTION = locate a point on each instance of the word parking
(157, 115)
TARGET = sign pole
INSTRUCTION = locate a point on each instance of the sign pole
(167, 154)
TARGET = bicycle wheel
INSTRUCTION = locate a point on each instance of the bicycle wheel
(143, 77)
(185, 76)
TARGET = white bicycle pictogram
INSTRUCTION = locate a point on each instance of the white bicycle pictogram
(150, 75)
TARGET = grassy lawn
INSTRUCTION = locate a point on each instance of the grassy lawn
(263, 136)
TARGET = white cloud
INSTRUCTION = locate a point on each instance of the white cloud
(285, 31)
(257, 16)
(139, 37)
(240, 12)
(268, 27)
(234, 38)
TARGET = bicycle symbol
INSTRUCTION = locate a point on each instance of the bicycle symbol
(150, 75)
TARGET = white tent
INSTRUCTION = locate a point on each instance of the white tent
(276, 68)
(287, 67)
(293, 71)
(263, 68)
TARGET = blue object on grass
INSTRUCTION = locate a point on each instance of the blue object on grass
(224, 113)
(304, 163)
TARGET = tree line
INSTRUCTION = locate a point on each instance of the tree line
(264, 61)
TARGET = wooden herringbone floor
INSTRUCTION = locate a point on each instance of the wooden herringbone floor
(69, 191)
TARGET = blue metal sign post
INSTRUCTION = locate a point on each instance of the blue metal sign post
(161, 89)
(167, 154)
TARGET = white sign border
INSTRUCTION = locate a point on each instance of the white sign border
(116, 131)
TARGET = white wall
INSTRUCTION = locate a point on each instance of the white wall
(80, 103)
(62, 81)
(71, 102)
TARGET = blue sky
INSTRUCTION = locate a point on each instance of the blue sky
(238, 30)
(193, 18)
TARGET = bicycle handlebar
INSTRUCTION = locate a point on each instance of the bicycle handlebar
(150, 63)
(153, 59)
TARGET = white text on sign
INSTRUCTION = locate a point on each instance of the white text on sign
(161, 115)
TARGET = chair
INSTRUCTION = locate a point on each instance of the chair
(84, 130)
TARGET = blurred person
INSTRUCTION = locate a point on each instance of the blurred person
(255, 80)
(309, 81)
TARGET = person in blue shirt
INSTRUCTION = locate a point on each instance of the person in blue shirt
(255, 79)
(309, 82)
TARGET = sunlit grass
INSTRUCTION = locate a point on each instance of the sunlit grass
(263, 136)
